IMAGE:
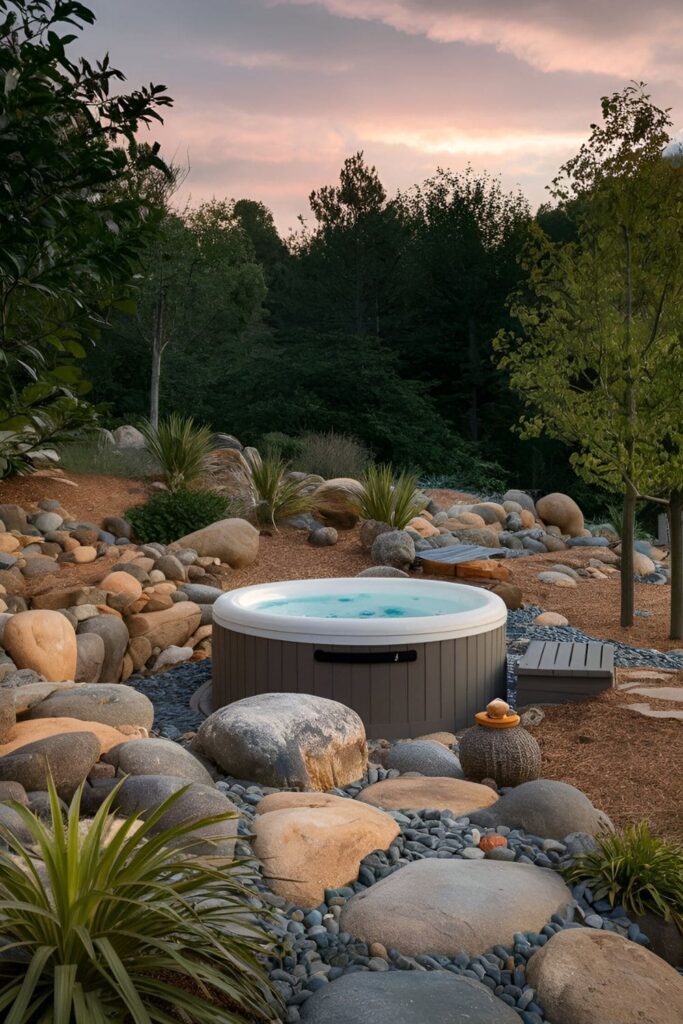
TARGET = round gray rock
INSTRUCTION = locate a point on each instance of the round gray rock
(200, 593)
(67, 756)
(545, 808)
(287, 740)
(426, 757)
(115, 636)
(142, 794)
(323, 537)
(383, 572)
(395, 548)
(522, 498)
(157, 757)
(450, 906)
(406, 997)
(90, 657)
(98, 702)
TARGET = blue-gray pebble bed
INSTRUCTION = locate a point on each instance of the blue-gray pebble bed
(315, 951)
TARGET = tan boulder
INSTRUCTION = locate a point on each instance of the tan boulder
(44, 641)
(336, 502)
(642, 564)
(584, 975)
(139, 651)
(309, 845)
(416, 794)
(122, 583)
(172, 626)
(551, 619)
(83, 554)
(41, 728)
(233, 541)
(465, 519)
(560, 510)
(8, 543)
(422, 526)
(527, 518)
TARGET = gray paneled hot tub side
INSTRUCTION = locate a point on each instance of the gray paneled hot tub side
(434, 682)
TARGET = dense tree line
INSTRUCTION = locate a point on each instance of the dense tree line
(376, 318)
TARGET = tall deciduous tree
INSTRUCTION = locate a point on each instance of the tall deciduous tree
(602, 319)
(69, 235)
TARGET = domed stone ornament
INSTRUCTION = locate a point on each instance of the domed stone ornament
(498, 748)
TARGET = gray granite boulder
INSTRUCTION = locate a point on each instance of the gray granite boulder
(454, 905)
(545, 808)
(426, 757)
(68, 757)
(406, 997)
(522, 498)
(115, 637)
(287, 740)
(89, 657)
(98, 702)
(200, 593)
(157, 757)
(382, 572)
(395, 548)
(142, 794)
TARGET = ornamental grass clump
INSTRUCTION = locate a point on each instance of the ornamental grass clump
(276, 495)
(635, 869)
(180, 447)
(389, 499)
(118, 925)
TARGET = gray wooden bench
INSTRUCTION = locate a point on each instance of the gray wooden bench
(552, 672)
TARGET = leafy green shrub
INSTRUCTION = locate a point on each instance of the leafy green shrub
(181, 448)
(171, 514)
(390, 499)
(330, 454)
(636, 869)
(121, 925)
(277, 443)
(275, 494)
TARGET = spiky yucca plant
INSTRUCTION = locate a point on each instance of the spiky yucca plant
(181, 447)
(389, 499)
(275, 494)
(115, 926)
(636, 869)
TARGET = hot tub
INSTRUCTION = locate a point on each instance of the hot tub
(410, 656)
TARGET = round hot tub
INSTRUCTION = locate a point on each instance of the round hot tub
(410, 656)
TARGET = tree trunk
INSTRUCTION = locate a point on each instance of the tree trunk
(676, 558)
(157, 351)
(473, 357)
(627, 541)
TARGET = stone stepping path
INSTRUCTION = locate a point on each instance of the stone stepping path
(414, 794)
(454, 906)
(648, 712)
(406, 997)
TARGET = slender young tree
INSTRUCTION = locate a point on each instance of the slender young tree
(602, 319)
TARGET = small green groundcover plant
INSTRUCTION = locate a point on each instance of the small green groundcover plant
(172, 514)
(120, 926)
(635, 869)
(388, 498)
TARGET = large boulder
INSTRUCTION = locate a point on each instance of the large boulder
(157, 757)
(114, 635)
(98, 702)
(406, 997)
(560, 510)
(545, 808)
(234, 541)
(454, 905)
(170, 627)
(128, 436)
(336, 502)
(522, 499)
(142, 794)
(583, 976)
(426, 757)
(90, 657)
(293, 740)
(68, 757)
(44, 641)
(417, 794)
(312, 842)
(395, 548)
(33, 730)
(485, 537)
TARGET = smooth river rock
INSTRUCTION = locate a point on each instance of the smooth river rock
(453, 906)
(583, 976)
(545, 808)
(157, 757)
(406, 997)
(67, 757)
(417, 794)
(44, 641)
(312, 842)
(98, 702)
(426, 757)
(286, 740)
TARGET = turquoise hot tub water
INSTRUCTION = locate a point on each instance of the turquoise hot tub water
(371, 605)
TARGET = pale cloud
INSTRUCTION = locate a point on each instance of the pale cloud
(595, 36)
(470, 144)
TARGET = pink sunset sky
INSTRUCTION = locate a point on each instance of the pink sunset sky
(272, 95)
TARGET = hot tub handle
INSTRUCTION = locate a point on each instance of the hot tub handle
(365, 657)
